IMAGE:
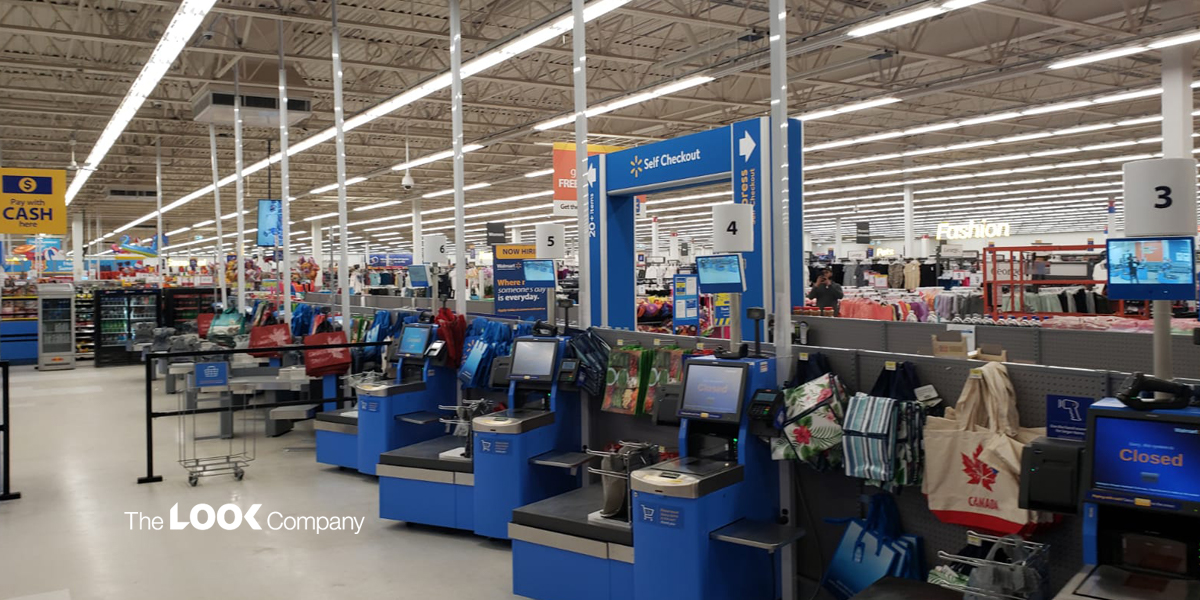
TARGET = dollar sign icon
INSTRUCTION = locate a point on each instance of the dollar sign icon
(27, 184)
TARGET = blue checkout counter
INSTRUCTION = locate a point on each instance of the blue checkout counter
(526, 453)
(1141, 505)
(391, 415)
(694, 520)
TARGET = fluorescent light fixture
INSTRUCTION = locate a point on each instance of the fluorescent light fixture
(316, 217)
(204, 223)
(895, 21)
(957, 4)
(377, 205)
(1123, 96)
(1041, 110)
(542, 173)
(873, 103)
(179, 31)
(1186, 38)
(177, 231)
(627, 101)
(1096, 57)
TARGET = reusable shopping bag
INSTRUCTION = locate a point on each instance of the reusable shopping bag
(269, 336)
(1024, 576)
(973, 454)
(899, 383)
(872, 549)
(814, 366)
(623, 382)
(593, 353)
(812, 430)
(204, 323)
(226, 326)
(326, 361)
(661, 367)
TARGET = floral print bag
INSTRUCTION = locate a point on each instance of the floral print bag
(812, 432)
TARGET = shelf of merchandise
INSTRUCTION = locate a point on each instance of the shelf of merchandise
(85, 325)
(181, 306)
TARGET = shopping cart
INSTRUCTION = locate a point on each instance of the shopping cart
(219, 409)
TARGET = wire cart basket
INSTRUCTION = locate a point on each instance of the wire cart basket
(215, 442)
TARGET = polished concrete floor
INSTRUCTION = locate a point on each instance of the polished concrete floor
(78, 448)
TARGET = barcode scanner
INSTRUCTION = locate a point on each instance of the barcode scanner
(1131, 390)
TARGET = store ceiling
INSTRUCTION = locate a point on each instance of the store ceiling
(66, 64)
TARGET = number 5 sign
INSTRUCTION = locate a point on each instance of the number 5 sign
(548, 238)
(1160, 197)
(733, 228)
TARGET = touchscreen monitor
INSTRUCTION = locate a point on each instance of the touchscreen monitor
(418, 276)
(713, 391)
(533, 360)
(413, 341)
(1151, 268)
(720, 274)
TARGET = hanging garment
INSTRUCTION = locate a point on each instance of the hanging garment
(912, 275)
(929, 275)
(895, 275)
(849, 275)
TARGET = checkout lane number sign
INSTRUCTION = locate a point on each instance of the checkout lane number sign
(33, 201)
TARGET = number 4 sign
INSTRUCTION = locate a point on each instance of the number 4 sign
(733, 228)
(1160, 197)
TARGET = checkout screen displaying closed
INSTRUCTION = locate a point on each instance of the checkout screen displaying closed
(713, 389)
(1154, 458)
(533, 359)
(414, 340)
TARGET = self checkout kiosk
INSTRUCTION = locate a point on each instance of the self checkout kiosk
(695, 520)
(391, 414)
(527, 452)
(1141, 505)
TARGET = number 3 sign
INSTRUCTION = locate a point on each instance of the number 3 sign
(1160, 197)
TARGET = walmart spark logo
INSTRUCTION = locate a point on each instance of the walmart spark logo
(636, 166)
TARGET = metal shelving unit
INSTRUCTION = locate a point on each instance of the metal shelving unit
(56, 326)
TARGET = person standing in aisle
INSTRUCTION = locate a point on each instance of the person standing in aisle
(826, 292)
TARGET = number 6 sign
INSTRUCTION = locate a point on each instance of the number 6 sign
(1160, 197)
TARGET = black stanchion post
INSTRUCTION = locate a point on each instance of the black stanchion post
(6, 492)
(150, 476)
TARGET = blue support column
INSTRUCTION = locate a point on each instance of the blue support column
(796, 209)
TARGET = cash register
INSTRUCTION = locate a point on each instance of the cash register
(1141, 505)
(704, 525)
(403, 410)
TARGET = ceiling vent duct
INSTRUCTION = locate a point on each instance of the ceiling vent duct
(131, 193)
(260, 98)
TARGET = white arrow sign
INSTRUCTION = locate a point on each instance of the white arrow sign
(591, 175)
(746, 146)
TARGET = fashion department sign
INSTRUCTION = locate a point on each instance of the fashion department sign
(514, 296)
(972, 230)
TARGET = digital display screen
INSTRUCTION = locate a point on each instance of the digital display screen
(533, 359)
(270, 223)
(1151, 269)
(539, 271)
(418, 276)
(1153, 458)
(413, 341)
(712, 391)
(720, 274)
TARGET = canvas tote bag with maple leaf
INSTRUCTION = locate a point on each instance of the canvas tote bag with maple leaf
(973, 457)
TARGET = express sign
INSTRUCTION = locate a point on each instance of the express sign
(33, 201)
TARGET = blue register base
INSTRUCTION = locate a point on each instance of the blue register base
(675, 558)
(336, 448)
(502, 475)
(671, 535)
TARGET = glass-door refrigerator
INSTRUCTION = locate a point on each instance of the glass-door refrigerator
(56, 326)
(118, 314)
(182, 306)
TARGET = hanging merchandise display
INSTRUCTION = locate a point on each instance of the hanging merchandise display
(973, 470)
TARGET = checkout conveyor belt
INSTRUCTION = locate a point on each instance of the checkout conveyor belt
(345, 416)
(568, 514)
(427, 455)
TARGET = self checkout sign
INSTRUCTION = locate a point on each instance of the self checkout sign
(1160, 197)
(33, 201)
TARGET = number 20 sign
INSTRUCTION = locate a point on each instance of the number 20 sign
(1160, 197)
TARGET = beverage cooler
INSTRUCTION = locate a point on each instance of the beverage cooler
(181, 306)
(118, 313)
(56, 326)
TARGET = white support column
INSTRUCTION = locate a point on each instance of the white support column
(1177, 143)
(285, 192)
(516, 236)
(654, 236)
(317, 243)
(418, 248)
(579, 78)
(239, 245)
(78, 258)
(158, 193)
(459, 277)
(909, 247)
(339, 123)
(1112, 219)
(837, 238)
(219, 265)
